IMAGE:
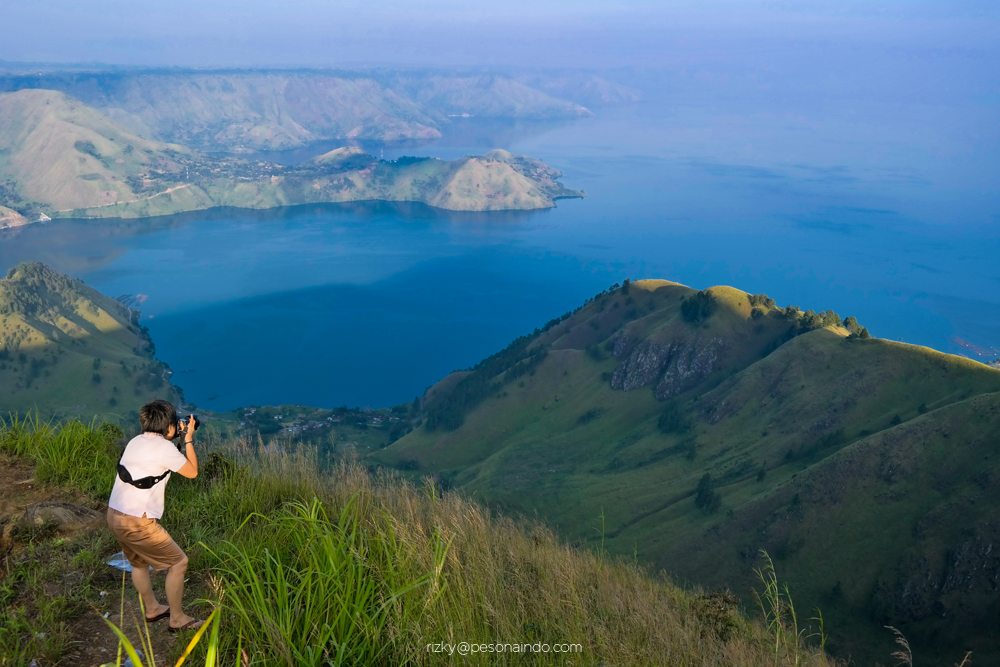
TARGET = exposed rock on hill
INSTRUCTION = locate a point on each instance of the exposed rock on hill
(670, 368)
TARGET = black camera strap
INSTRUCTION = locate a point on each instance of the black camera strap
(142, 482)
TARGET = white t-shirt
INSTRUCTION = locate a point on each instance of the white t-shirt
(146, 455)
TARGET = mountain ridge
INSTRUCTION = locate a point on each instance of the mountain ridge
(668, 414)
(253, 110)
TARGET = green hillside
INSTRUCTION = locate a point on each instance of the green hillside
(61, 158)
(693, 428)
(67, 350)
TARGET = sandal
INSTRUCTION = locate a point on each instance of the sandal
(193, 624)
(158, 617)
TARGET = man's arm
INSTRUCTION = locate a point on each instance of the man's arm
(189, 469)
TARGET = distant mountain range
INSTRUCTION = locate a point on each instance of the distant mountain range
(60, 157)
(693, 428)
(243, 110)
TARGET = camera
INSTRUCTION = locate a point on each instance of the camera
(182, 423)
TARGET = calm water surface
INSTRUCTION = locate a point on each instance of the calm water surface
(368, 304)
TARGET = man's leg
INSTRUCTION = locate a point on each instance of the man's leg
(175, 593)
(140, 579)
(124, 528)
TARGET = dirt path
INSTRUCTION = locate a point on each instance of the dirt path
(169, 190)
(68, 569)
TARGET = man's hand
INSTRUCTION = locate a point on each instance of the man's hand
(188, 430)
(189, 469)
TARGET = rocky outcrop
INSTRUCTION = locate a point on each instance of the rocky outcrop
(915, 595)
(922, 589)
(972, 566)
(641, 365)
(687, 367)
(63, 518)
(59, 518)
(670, 368)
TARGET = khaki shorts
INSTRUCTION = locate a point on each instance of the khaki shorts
(144, 541)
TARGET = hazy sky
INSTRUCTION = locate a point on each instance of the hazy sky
(471, 32)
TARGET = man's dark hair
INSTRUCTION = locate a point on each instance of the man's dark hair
(157, 416)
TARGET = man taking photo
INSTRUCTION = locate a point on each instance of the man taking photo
(136, 505)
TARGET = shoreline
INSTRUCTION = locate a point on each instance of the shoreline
(224, 207)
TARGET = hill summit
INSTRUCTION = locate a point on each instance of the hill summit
(693, 428)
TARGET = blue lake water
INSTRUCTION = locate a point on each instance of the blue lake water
(888, 215)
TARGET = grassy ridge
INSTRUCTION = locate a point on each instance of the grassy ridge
(345, 568)
(693, 437)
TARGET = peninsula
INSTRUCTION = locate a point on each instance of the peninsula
(60, 158)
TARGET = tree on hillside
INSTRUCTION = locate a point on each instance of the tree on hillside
(762, 301)
(698, 307)
(830, 318)
(673, 420)
(855, 329)
(705, 497)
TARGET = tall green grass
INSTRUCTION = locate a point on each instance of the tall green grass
(342, 566)
(780, 617)
(128, 648)
(82, 456)
(318, 591)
